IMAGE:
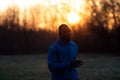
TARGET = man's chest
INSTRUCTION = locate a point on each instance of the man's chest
(66, 53)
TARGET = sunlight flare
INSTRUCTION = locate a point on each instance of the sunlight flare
(47, 14)
(73, 18)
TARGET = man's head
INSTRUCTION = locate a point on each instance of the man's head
(65, 33)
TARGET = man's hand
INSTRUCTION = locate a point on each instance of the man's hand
(77, 63)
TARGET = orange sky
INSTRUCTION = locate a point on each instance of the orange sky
(49, 14)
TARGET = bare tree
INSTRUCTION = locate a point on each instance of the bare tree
(108, 16)
(11, 17)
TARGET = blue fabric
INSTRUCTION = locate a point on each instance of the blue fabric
(62, 69)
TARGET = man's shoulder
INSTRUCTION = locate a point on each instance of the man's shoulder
(73, 43)
(53, 45)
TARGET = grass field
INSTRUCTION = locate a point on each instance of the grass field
(34, 67)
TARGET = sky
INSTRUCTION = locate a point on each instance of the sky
(46, 13)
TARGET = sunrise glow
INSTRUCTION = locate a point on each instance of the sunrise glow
(73, 18)
(48, 14)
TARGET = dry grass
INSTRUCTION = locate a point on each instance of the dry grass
(34, 67)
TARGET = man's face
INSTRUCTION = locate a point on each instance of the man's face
(65, 34)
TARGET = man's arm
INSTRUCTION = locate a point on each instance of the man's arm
(53, 64)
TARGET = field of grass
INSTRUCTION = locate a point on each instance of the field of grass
(34, 67)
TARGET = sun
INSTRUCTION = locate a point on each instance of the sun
(73, 18)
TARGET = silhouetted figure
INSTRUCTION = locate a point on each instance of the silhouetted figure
(62, 54)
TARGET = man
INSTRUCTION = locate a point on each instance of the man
(62, 56)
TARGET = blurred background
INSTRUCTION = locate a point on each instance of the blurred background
(30, 27)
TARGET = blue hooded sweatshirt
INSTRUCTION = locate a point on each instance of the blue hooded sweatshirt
(60, 56)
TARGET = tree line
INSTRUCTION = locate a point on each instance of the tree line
(101, 32)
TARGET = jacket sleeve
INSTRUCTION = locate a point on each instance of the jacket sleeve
(53, 64)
